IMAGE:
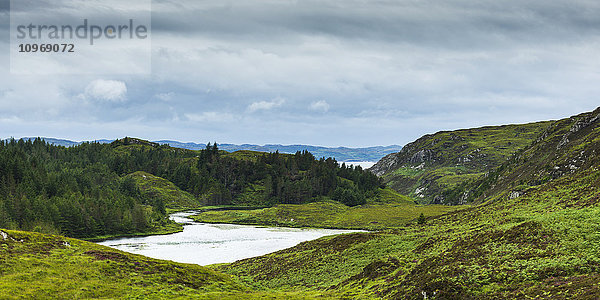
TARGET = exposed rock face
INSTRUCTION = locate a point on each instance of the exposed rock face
(422, 156)
(410, 154)
(454, 167)
(385, 164)
(578, 126)
(514, 194)
(428, 167)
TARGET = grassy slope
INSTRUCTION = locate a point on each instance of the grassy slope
(565, 148)
(543, 244)
(44, 266)
(174, 198)
(38, 266)
(156, 187)
(435, 163)
(246, 155)
(388, 210)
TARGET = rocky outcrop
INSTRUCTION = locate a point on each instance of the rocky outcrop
(422, 156)
(576, 127)
(385, 164)
(429, 167)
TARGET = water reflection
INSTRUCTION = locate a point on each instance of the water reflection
(206, 244)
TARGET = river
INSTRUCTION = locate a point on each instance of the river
(206, 244)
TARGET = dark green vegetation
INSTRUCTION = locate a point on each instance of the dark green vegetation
(124, 188)
(533, 232)
(434, 164)
(339, 153)
(153, 187)
(38, 266)
(387, 210)
(535, 235)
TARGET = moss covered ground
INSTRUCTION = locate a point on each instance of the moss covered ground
(154, 187)
(435, 163)
(533, 232)
(542, 245)
(387, 210)
(38, 266)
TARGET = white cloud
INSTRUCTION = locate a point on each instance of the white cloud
(106, 90)
(12, 119)
(322, 106)
(165, 96)
(210, 117)
(266, 105)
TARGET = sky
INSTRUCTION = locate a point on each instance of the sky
(330, 72)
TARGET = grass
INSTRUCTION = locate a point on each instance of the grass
(456, 157)
(169, 227)
(247, 155)
(42, 266)
(38, 266)
(387, 210)
(156, 187)
(545, 244)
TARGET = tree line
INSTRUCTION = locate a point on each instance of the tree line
(84, 191)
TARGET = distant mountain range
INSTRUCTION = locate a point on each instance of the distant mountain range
(369, 154)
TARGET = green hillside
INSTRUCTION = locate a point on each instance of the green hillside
(96, 190)
(387, 210)
(435, 163)
(534, 235)
(532, 232)
(540, 243)
(564, 149)
(39, 266)
(154, 187)
(544, 245)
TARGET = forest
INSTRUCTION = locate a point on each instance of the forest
(84, 191)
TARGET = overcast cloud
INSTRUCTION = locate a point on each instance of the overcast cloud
(335, 72)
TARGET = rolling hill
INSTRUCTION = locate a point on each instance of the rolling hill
(436, 163)
(345, 154)
(534, 234)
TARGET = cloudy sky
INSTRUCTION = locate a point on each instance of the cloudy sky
(327, 72)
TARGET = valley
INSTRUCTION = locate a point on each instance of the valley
(504, 212)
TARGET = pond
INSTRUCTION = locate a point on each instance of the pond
(206, 244)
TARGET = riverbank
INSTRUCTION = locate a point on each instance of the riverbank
(208, 244)
(169, 228)
(331, 215)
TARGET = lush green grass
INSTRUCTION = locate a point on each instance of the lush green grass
(454, 157)
(166, 227)
(545, 244)
(247, 155)
(387, 210)
(37, 266)
(155, 187)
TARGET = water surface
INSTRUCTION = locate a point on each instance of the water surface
(362, 164)
(206, 244)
